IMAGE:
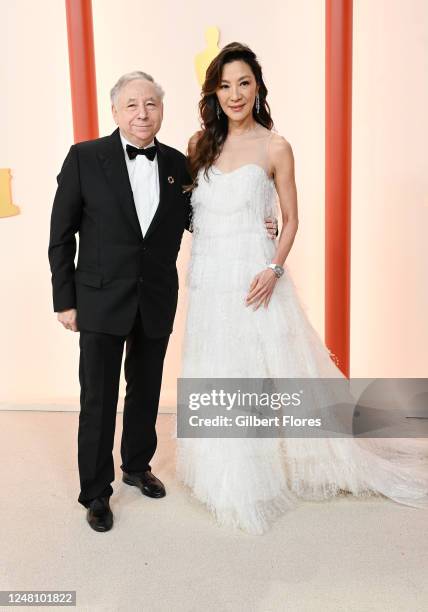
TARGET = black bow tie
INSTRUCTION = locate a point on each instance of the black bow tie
(150, 152)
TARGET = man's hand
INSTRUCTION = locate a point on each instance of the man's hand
(68, 319)
(261, 289)
(272, 227)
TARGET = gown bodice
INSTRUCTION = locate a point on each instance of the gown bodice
(229, 212)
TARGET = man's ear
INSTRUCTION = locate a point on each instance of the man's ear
(114, 113)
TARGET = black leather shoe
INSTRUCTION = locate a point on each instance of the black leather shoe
(147, 483)
(99, 515)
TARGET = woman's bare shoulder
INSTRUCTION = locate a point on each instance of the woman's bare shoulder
(193, 141)
(281, 152)
(280, 145)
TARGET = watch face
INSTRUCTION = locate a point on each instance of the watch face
(278, 270)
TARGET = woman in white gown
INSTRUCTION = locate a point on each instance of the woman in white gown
(245, 322)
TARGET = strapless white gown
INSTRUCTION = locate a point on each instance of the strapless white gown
(246, 483)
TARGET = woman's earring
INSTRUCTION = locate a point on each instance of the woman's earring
(218, 110)
(257, 104)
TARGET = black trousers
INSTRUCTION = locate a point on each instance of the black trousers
(99, 374)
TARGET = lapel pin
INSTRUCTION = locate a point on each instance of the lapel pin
(170, 180)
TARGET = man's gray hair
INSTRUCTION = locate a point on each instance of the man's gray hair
(132, 76)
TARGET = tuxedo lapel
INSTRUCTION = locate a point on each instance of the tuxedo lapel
(114, 165)
(165, 187)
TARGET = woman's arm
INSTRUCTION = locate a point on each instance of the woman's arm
(282, 164)
(188, 180)
(283, 168)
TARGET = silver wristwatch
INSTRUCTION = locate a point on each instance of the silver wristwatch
(279, 270)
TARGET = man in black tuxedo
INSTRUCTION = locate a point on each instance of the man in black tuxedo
(124, 195)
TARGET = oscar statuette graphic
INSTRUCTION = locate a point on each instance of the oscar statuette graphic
(204, 59)
(7, 208)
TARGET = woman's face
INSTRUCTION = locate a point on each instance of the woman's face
(237, 90)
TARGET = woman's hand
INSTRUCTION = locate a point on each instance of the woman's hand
(271, 227)
(261, 289)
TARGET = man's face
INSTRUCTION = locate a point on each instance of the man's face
(138, 112)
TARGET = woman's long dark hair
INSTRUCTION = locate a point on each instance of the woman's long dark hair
(214, 129)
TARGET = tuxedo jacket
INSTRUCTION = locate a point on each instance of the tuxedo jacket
(118, 271)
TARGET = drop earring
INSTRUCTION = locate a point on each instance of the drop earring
(257, 104)
(218, 110)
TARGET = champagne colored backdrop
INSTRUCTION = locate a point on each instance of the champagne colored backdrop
(389, 294)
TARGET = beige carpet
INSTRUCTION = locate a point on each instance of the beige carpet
(168, 554)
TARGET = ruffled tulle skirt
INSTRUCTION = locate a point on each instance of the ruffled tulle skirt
(248, 482)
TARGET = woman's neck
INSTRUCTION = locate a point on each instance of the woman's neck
(238, 128)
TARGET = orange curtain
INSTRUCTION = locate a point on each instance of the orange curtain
(338, 152)
(82, 69)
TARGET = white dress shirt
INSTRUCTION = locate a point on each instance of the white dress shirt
(144, 179)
